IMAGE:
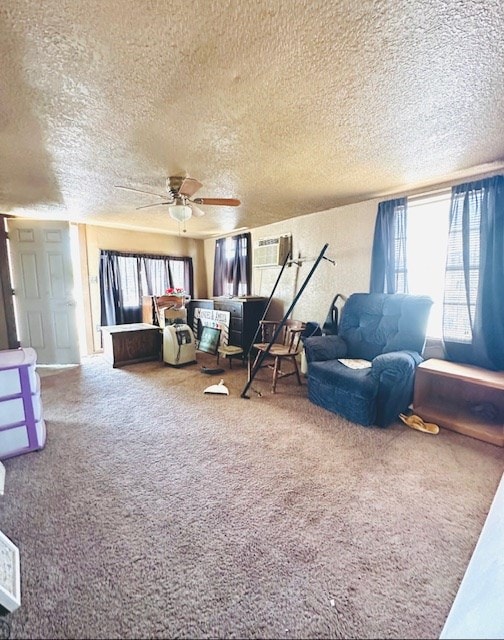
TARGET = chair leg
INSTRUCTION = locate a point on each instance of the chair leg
(275, 375)
(296, 369)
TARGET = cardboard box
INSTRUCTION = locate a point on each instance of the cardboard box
(172, 315)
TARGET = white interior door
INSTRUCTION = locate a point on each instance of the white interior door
(43, 284)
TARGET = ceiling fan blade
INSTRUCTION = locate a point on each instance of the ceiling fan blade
(189, 187)
(155, 204)
(150, 193)
(224, 202)
(196, 211)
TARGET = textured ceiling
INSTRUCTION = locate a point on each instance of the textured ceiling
(292, 106)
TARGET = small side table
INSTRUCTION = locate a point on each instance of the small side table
(229, 351)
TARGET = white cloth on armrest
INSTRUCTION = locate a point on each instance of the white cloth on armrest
(356, 363)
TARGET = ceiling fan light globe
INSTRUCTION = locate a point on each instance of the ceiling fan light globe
(180, 212)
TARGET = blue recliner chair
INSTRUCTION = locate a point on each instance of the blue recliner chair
(386, 329)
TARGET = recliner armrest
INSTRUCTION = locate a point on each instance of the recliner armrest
(318, 348)
(395, 373)
(399, 362)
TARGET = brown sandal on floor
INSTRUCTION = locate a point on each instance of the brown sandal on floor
(416, 422)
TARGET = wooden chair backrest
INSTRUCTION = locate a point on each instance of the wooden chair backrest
(289, 336)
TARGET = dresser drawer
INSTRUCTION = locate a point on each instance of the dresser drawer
(17, 439)
(234, 308)
(236, 324)
(10, 381)
(13, 411)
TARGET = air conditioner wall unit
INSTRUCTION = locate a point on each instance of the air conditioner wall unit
(272, 252)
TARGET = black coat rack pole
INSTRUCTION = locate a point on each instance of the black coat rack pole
(268, 303)
(264, 353)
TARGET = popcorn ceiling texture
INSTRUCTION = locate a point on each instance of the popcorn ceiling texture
(292, 106)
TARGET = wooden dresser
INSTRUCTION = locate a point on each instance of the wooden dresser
(245, 315)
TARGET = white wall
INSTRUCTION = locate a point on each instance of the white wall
(349, 232)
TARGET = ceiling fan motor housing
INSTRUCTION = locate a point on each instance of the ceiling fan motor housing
(173, 184)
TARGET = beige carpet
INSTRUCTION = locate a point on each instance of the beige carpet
(156, 511)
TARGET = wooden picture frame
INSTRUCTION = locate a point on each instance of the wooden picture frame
(10, 581)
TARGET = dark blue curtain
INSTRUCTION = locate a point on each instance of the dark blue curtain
(232, 266)
(388, 261)
(220, 273)
(114, 310)
(473, 310)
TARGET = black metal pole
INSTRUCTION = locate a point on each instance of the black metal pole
(264, 353)
(268, 304)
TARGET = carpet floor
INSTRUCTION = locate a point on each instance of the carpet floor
(158, 511)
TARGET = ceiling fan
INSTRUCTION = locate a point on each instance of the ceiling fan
(181, 204)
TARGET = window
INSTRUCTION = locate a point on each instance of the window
(232, 266)
(454, 254)
(126, 278)
(153, 277)
(233, 247)
(460, 302)
(426, 246)
(177, 268)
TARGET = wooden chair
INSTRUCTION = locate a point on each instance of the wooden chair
(286, 348)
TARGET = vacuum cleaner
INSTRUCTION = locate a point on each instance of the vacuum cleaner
(179, 347)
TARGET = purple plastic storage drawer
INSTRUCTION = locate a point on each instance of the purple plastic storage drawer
(22, 427)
